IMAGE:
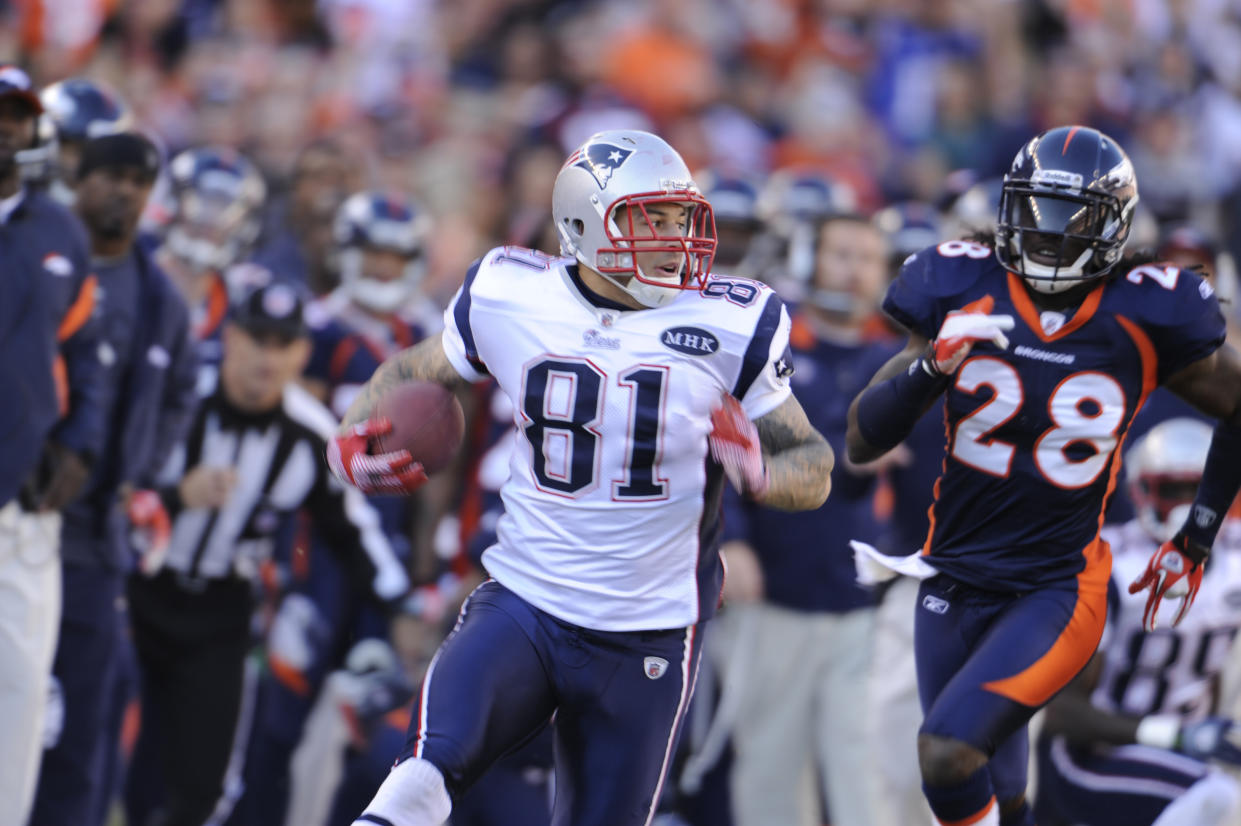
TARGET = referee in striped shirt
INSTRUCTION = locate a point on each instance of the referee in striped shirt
(253, 456)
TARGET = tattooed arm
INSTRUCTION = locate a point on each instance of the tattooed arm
(424, 361)
(799, 459)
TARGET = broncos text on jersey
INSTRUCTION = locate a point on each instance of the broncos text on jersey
(611, 507)
(1035, 431)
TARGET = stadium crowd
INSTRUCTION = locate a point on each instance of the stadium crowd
(264, 200)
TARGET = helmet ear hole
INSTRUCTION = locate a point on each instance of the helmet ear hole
(578, 226)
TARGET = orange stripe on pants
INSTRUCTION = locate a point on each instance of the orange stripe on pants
(1077, 642)
(977, 817)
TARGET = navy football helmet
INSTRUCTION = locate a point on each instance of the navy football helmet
(387, 222)
(82, 109)
(737, 225)
(76, 110)
(793, 206)
(910, 227)
(1066, 207)
(217, 197)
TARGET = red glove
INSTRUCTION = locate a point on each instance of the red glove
(962, 328)
(1175, 570)
(734, 444)
(350, 460)
(152, 529)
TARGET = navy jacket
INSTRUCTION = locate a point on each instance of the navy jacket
(149, 412)
(46, 299)
(805, 557)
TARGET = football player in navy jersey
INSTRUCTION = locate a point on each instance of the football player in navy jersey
(216, 195)
(639, 381)
(1044, 348)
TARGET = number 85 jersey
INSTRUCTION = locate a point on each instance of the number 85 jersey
(612, 503)
(1035, 431)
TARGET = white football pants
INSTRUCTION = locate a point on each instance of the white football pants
(29, 624)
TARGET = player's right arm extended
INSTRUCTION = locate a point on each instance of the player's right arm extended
(1081, 723)
(885, 412)
(425, 361)
(1213, 385)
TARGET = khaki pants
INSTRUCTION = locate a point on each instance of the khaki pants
(895, 708)
(29, 623)
(802, 722)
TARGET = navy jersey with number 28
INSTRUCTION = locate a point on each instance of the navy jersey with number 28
(1035, 431)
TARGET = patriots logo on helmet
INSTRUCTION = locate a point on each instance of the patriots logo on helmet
(601, 160)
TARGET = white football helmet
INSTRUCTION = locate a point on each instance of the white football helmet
(629, 168)
(1163, 471)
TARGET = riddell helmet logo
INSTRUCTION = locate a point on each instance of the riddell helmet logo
(654, 667)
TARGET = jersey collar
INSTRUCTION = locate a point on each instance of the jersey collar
(10, 204)
(1030, 315)
(590, 295)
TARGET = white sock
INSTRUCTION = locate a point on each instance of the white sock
(412, 794)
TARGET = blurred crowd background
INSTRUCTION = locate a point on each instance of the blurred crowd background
(902, 114)
(458, 101)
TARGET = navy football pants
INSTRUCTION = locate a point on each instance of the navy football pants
(618, 699)
(73, 783)
(987, 661)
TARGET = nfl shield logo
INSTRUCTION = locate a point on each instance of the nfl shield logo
(1051, 321)
(654, 667)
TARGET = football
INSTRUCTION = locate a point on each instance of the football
(427, 420)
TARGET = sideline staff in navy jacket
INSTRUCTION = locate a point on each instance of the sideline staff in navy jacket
(805, 639)
(51, 428)
(151, 373)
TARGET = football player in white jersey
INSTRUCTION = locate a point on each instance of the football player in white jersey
(1132, 739)
(639, 380)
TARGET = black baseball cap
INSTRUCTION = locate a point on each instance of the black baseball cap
(121, 149)
(276, 308)
(14, 82)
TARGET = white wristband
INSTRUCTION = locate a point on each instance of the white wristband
(1159, 730)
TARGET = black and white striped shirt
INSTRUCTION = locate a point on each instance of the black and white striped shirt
(280, 465)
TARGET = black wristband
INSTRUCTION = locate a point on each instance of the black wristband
(887, 411)
(1221, 479)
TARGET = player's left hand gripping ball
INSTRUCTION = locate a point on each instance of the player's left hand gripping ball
(351, 461)
(1175, 570)
(735, 445)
